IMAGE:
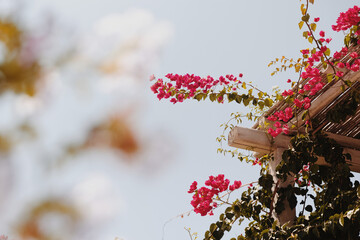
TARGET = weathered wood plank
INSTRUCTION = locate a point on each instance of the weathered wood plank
(260, 142)
(328, 96)
(256, 140)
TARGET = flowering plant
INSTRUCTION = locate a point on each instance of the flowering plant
(334, 211)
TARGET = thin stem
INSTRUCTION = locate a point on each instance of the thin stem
(257, 89)
(188, 230)
(296, 95)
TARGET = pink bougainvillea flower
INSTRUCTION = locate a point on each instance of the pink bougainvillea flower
(316, 19)
(173, 100)
(355, 67)
(354, 55)
(337, 55)
(340, 65)
(305, 51)
(285, 129)
(277, 124)
(193, 187)
(152, 77)
(236, 185)
(328, 40)
(298, 103)
(339, 73)
(272, 118)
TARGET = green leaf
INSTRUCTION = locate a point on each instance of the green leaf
(310, 39)
(268, 102)
(254, 102)
(207, 235)
(274, 225)
(238, 98)
(301, 23)
(218, 234)
(264, 232)
(303, 9)
(243, 85)
(327, 52)
(199, 96)
(305, 18)
(246, 101)
(212, 97)
(329, 77)
(343, 88)
(213, 227)
(230, 215)
(231, 96)
(309, 208)
(304, 115)
(313, 26)
(261, 105)
(305, 34)
(341, 220)
(236, 209)
(347, 40)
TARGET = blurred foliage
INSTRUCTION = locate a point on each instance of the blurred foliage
(5, 144)
(17, 72)
(114, 133)
(20, 72)
(31, 227)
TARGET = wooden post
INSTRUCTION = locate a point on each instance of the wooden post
(288, 214)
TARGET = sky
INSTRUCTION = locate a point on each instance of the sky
(205, 38)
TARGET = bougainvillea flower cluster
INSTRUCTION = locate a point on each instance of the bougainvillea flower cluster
(316, 68)
(312, 73)
(203, 198)
(284, 116)
(180, 87)
(347, 19)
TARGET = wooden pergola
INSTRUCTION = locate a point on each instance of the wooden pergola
(346, 133)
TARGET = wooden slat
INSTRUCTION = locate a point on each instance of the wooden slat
(327, 97)
(260, 142)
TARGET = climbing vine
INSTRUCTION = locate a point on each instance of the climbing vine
(328, 198)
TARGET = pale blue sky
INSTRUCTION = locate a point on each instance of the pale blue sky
(210, 38)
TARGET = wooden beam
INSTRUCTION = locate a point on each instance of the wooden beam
(256, 140)
(262, 143)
